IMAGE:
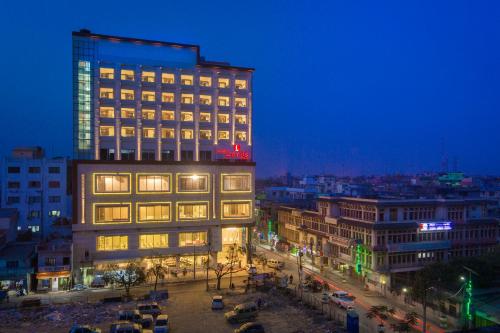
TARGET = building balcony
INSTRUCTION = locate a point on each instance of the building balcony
(57, 268)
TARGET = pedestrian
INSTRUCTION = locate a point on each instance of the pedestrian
(291, 278)
(184, 271)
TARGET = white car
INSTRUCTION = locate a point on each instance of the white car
(343, 299)
(162, 324)
(217, 303)
(79, 287)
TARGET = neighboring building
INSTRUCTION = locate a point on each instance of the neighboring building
(291, 195)
(8, 225)
(54, 265)
(134, 210)
(17, 265)
(37, 187)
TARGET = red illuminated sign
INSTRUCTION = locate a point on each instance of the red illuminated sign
(236, 153)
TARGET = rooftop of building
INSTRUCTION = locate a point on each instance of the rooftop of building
(404, 201)
(134, 162)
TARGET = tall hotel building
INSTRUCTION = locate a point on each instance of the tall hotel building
(163, 150)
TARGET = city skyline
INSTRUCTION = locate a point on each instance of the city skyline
(401, 92)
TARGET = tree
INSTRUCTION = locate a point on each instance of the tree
(381, 312)
(222, 270)
(158, 269)
(405, 325)
(131, 275)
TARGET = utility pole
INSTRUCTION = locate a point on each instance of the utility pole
(424, 305)
(299, 268)
(194, 261)
(208, 262)
(231, 264)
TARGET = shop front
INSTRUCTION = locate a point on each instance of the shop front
(53, 281)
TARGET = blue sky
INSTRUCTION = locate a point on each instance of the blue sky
(345, 87)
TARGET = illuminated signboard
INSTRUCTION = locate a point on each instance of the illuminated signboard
(235, 154)
(435, 226)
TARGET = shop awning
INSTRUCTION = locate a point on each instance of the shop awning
(48, 275)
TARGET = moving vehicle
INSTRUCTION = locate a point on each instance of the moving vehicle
(276, 264)
(151, 308)
(242, 312)
(250, 328)
(84, 329)
(217, 303)
(162, 324)
(343, 299)
(129, 315)
(79, 287)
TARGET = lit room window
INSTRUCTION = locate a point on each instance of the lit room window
(127, 75)
(106, 130)
(127, 113)
(153, 183)
(236, 183)
(128, 132)
(236, 209)
(205, 134)
(167, 78)
(106, 93)
(187, 134)
(112, 184)
(223, 135)
(187, 98)
(192, 238)
(153, 212)
(240, 84)
(223, 82)
(167, 97)
(205, 117)
(187, 116)
(106, 73)
(241, 135)
(148, 132)
(192, 183)
(167, 133)
(205, 99)
(223, 101)
(153, 241)
(167, 115)
(240, 102)
(187, 80)
(112, 243)
(205, 81)
(112, 214)
(192, 211)
(240, 119)
(106, 112)
(127, 94)
(223, 118)
(148, 114)
(148, 77)
(148, 96)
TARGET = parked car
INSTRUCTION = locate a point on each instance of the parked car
(343, 299)
(147, 321)
(250, 328)
(84, 329)
(162, 324)
(276, 264)
(129, 315)
(251, 269)
(151, 308)
(97, 283)
(125, 327)
(242, 312)
(217, 303)
(79, 287)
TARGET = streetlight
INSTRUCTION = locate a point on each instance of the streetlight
(405, 290)
(462, 278)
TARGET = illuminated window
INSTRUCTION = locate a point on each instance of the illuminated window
(167, 97)
(153, 183)
(112, 184)
(127, 94)
(205, 134)
(167, 133)
(148, 132)
(205, 99)
(167, 78)
(153, 212)
(192, 238)
(112, 243)
(106, 73)
(127, 75)
(240, 102)
(236, 209)
(167, 115)
(148, 77)
(148, 96)
(223, 101)
(192, 211)
(223, 118)
(106, 112)
(240, 84)
(148, 114)
(240, 119)
(187, 116)
(192, 183)
(187, 98)
(127, 113)
(106, 93)
(205, 117)
(106, 130)
(236, 183)
(187, 134)
(128, 132)
(112, 214)
(241, 135)
(223, 83)
(223, 135)
(205, 81)
(187, 80)
(153, 241)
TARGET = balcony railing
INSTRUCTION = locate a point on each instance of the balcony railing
(57, 268)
